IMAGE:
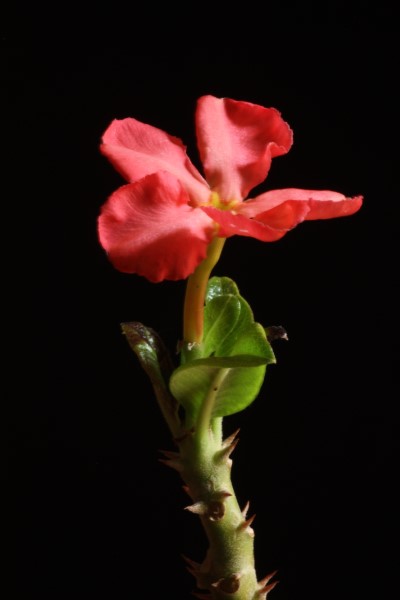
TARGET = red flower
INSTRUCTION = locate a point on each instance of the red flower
(160, 224)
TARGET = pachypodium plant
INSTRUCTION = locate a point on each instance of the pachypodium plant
(169, 222)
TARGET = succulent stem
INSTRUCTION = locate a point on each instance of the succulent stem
(228, 569)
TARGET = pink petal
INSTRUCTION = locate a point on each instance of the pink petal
(137, 149)
(148, 228)
(236, 224)
(321, 205)
(285, 216)
(237, 141)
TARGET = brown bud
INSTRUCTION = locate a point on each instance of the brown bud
(276, 332)
(229, 585)
(215, 510)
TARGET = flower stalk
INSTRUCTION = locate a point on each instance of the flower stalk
(193, 312)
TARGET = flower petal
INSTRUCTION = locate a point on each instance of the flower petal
(148, 228)
(236, 224)
(321, 205)
(137, 149)
(237, 141)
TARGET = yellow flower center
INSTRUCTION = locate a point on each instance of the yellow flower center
(217, 202)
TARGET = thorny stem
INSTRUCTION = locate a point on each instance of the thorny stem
(228, 570)
(195, 294)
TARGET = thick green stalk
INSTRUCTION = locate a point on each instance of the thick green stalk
(205, 465)
(228, 570)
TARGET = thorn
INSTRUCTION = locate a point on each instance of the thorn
(184, 435)
(193, 572)
(173, 464)
(264, 581)
(228, 441)
(247, 523)
(223, 494)
(268, 588)
(170, 455)
(187, 490)
(192, 563)
(246, 509)
(232, 446)
(198, 508)
(224, 454)
(246, 526)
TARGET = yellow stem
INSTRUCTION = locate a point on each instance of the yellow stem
(195, 294)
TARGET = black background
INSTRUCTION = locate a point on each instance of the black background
(93, 513)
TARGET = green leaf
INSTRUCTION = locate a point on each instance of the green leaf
(155, 360)
(234, 353)
(221, 286)
(221, 316)
(192, 383)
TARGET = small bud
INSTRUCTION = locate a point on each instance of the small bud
(229, 585)
(276, 332)
(215, 510)
(216, 507)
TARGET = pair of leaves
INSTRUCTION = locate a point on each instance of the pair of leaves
(229, 367)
